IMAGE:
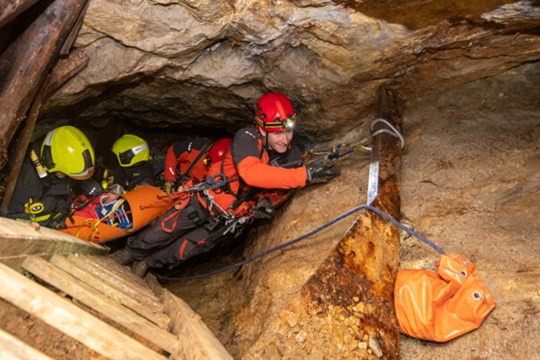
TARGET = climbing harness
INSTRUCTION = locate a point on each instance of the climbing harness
(202, 154)
(179, 205)
(214, 182)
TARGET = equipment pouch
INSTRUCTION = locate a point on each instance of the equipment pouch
(440, 307)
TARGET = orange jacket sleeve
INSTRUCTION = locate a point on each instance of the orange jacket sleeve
(256, 173)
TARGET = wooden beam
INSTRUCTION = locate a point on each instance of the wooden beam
(72, 36)
(27, 61)
(356, 281)
(94, 299)
(196, 341)
(64, 70)
(122, 281)
(156, 316)
(10, 9)
(19, 239)
(70, 319)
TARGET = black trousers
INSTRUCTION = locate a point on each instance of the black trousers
(189, 230)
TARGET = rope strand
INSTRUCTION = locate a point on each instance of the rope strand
(307, 235)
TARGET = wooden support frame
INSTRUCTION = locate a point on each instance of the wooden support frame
(70, 319)
(26, 62)
(64, 70)
(97, 301)
(195, 340)
(20, 239)
(13, 8)
(104, 287)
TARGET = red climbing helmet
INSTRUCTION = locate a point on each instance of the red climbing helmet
(218, 149)
(275, 113)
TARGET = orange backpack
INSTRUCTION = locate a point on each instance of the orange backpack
(440, 307)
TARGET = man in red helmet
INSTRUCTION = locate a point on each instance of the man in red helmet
(191, 159)
(241, 186)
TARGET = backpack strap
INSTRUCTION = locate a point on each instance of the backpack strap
(198, 158)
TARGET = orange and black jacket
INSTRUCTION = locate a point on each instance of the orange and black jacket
(186, 157)
(251, 169)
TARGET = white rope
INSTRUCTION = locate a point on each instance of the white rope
(394, 132)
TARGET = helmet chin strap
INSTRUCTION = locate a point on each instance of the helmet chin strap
(264, 138)
(266, 143)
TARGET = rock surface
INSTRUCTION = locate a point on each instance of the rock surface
(175, 63)
(470, 174)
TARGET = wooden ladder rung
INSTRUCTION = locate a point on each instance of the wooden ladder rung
(153, 314)
(95, 300)
(124, 270)
(118, 280)
(70, 319)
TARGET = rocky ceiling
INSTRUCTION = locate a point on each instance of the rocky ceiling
(203, 63)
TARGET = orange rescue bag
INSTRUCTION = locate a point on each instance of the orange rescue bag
(146, 203)
(440, 307)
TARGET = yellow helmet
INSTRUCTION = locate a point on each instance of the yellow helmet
(67, 150)
(130, 149)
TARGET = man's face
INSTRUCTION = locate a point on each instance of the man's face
(279, 141)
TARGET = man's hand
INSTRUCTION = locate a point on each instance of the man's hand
(321, 171)
(264, 209)
(168, 187)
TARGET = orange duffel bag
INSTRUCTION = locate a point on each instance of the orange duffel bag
(440, 307)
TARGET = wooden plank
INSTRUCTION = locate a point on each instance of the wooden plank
(70, 319)
(113, 265)
(26, 62)
(70, 39)
(10, 9)
(19, 239)
(196, 341)
(125, 271)
(13, 348)
(94, 299)
(121, 282)
(63, 71)
(157, 317)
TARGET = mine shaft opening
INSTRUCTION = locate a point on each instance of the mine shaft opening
(469, 76)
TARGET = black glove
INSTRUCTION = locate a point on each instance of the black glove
(321, 172)
(264, 209)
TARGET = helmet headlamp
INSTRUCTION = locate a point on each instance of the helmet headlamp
(278, 124)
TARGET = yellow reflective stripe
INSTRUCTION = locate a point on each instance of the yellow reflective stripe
(42, 218)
